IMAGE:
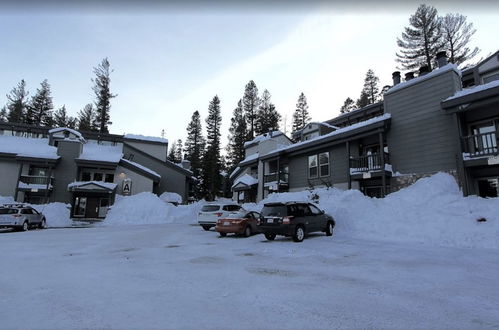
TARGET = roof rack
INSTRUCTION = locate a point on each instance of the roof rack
(13, 205)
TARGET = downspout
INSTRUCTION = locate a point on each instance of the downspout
(382, 155)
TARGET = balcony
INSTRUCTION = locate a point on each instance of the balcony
(480, 145)
(30, 182)
(369, 163)
(281, 177)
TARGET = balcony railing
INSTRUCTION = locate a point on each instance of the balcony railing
(367, 163)
(282, 177)
(37, 180)
(478, 145)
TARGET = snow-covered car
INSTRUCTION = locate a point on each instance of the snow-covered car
(241, 223)
(295, 219)
(210, 213)
(21, 217)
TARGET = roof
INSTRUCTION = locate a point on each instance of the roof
(27, 147)
(89, 185)
(355, 114)
(249, 160)
(141, 168)
(102, 153)
(66, 129)
(145, 138)
(471, 94)
(330, 136)
(263, 137)
(246, 179)
(434, 73)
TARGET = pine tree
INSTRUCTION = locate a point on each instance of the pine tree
(178, 151)
(40, 108)
(103, 95)
(348, 105)
(195, 144)
(457, 35)
(61, 118)
(371, 87)
(173, 154)
(3, 114)
(250, 106)
(237, 138)
(267, 116)
(211, 158)
(86, 118)
(301, 116)
(422, 40)
(72, 122)
(363, 100)
(16, 105)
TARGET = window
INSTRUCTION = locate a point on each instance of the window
(231, 208)
(86, 176)
(324, 164)
(109, 178)
(314, 209)
(97, 176)
(491, 78)
(80, 206)
(312, 166)
(210, 208)
(26, 211)
(38, 171)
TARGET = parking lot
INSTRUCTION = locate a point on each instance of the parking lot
(179, 276)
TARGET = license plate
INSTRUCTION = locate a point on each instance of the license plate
(226, 223)
(270, 220)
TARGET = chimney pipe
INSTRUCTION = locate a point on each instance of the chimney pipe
(423, 70)
(409, 76)
(396, 78)
(442, 58)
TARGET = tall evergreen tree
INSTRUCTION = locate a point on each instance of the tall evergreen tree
(86, 118)
(348, 105)
(103, 94)
(237, 137)
(3, 114)
(267, 116)
(457, 34)
(301, 116)
(17, 102)
(178, 151)
(195, 144)
(250, 106)
(72, 122)
(363, 100)
(422, 40)
(61, 118)
(171, 154)
(212, 159)
(40, 108)
(371, 87)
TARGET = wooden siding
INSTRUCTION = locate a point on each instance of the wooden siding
(422, 137)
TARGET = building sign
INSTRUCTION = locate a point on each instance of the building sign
(127, 187)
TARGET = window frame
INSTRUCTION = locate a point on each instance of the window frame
(321, 165)
(311, 167)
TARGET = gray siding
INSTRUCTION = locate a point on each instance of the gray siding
(422, 137)
(66, 170)
(8, 179)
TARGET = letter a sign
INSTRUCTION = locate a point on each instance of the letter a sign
(127, 187)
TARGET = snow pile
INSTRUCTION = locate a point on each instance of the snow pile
(56, 214)
(246, 179)
(171, 197)
(145, 138)
(6, 200)
(27, 147)
(431, 211)
(101, 152)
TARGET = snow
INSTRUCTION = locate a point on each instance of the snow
(250, 158)
(171, 197)
(145, 138)
(32, 186)
(245, 179)
(234, 172)
(434, 73)
(100, 152)
(107, 185)
(72, 131)
(27, 147)
(142, 167)
(339, 131)
(56, 214)
(263, 137)
(474, 89)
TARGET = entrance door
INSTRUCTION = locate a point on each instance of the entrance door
(488, 187)
(92, 208)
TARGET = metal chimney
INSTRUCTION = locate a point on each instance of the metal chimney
(409, 76)
(396, 78)
(442, 58)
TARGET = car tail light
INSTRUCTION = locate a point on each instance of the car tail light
(219, 214)
(287, 220)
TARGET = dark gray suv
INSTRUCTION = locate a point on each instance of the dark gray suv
(295, 219)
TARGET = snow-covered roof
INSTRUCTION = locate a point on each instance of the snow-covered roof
(337, 132)
(234, 172)
(474, 89)
(263, 137)
(106, 185)
(250, 158)
(100, 152)
(142, 167)
(145, 138)
(434, 73)
(171, 197)
(27, 147)
(245, 179)
(70, 130)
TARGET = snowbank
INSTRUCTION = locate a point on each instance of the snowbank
(56, 214)
(171, 197)
(431, 211)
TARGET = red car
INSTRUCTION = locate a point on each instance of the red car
(241, 223)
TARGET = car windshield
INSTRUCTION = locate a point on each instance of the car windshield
(8, 211)
(274, 210)
(210, 208)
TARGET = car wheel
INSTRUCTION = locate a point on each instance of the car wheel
(25, 226)
(270, 236)
(247, 231)
(329, 229)
(223, 234)
(299, 234)
(206, 228)
(42, 224)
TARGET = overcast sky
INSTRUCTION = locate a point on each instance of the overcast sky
(171, 60)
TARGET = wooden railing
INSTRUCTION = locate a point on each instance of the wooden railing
(282, 177)
(366, 163)
(480, 144)
(33, 179)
